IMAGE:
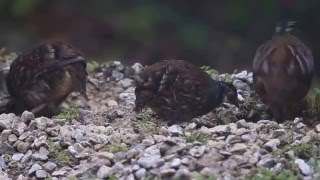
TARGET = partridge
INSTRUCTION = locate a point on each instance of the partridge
(39, 81)
(282, 71)
(178, 91)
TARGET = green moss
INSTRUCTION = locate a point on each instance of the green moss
(303, 151)
(228, 78)
(72, 178)
(316, 103)
(67, 114)
(195, 137)
(62, 155)
(112, 177)
(4, 56)
(146, 125)
(266, 174)
(115, 147)
(48, 178)
(92, 65)
(274, 126)
(204, 177)
(210, 71)
(249, 102)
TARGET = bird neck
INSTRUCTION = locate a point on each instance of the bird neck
(221, 91)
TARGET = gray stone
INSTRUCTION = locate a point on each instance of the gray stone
(300, 125)
(73, 151)
(41, 141)
(148, 142)
(19, 128)
(164, 131)
(290, 155)
(131, 138)
(117, 75)
(247, 138)
(23, 147)
(278, 167)
(232, 139)
(137, 67)
(3, 164)
(125, 83)
(197, 151)
(264, 122)
(49, 166)
(43, 122)
(303, 167)
(41, 174)
(149, 161)
(27, 116)
(112, 103)
(44, 151)
(59, 173)
(104, 171)
(34, 168)
(272, 144)
(39, 157)
(191, 126)
(24, 135)
(32, 125)
(78, 135)
(242, 124)
(6, 148)
(182, 173)
(185, 161)
(135, 167)
(167, 172)
(6, 120)
(175, 130)
(132, 153)
(175, 163)
(209, 171)
(5, 134)
(27, 156)
(22, 177)
(105, 155)
(317, 128)
(130, 177)
(278, 132)
(12, 138)
(241, 131)
(266, 162)
(141, 173)
(4, 176)
(219, 129)
(17, 157)
(238, 148)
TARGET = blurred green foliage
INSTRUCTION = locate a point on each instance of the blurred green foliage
(223, 34)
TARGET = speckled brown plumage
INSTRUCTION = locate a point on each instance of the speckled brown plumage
(178, 91)
(283, 69)
(6, 100)
(40, 80)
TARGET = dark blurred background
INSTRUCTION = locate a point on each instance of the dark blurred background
(223, 34)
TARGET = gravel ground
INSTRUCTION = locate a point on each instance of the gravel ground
(100, 137)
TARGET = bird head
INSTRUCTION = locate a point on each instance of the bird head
(230, 92)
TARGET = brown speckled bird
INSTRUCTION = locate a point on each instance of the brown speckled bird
(6, 100)
(282, 71)
(40, 81)
(178, 91)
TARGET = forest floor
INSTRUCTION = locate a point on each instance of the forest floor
(101, 137)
